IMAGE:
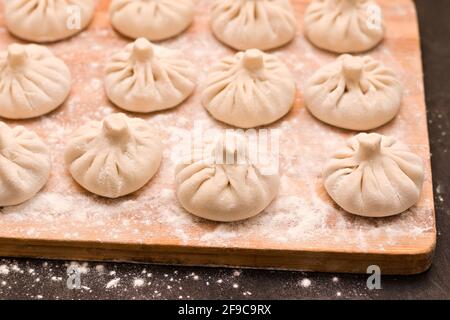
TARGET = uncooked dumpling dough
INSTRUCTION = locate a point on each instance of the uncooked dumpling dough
(47, 20)
(357, 93)
(219, 182)
(24, 165)
(144, 77)
(374, 176)
(249, 89)
(344, 26)
(247, 24)
(114, 157)
(152, 19)
(33, 81)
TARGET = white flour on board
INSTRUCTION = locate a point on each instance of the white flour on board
(301, 214)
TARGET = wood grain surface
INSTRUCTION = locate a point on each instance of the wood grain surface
(303, 229)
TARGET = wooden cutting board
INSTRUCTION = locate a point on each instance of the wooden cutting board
(302, 229)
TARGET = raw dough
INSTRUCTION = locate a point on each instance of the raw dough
(151, 19)
(374, 176)
(114, 157)
(344, 26)
(144, 77)
(47, 20)
(24, 165)
(219, 182)
(249, 89)
(354, 93)
(33, 81)
(248, 24)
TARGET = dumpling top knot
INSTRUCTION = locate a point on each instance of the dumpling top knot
(116, 128)
(142, 50)
(369, 146)
(253, 59)
(17, 56)
(352, 68)
(144, 77)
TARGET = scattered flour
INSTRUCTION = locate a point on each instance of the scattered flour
(138, 282)
(305, 283)
(4, 270)
(113, 283)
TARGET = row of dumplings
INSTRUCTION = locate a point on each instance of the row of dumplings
(373, 175)
(342, 26)
(248, 89)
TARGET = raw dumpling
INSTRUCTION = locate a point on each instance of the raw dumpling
(33, 81)
(151, 19)
(354, 93)
(247, 24)
(47, 20)
(144, 77)
(114, 157)
(344, 26)
(24, 165)
(374, 176)
(220, 182)
(249, 89)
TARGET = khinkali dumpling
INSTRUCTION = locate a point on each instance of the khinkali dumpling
(221, 182)
(374, 176)
(24, 165)
(47, 20)
(144, 77)
(247, 24)
(151, 19)
(33, 81)
(344, 26)
(249, 89)
(114, 157)
(357, 93)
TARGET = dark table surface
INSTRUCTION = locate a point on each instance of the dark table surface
(37, 279)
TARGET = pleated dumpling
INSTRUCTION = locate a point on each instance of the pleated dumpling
(374, 176)
(247, 24)
(344, 26)
(357, 93)
(47, 20)
(222, 182)
(114, 157)
(249, 89)
(151, 19)
(144, 77)
(33, 81)
(24, 165)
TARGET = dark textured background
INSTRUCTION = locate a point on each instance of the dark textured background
(36, 279)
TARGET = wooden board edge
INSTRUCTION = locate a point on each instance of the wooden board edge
(406, 262)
